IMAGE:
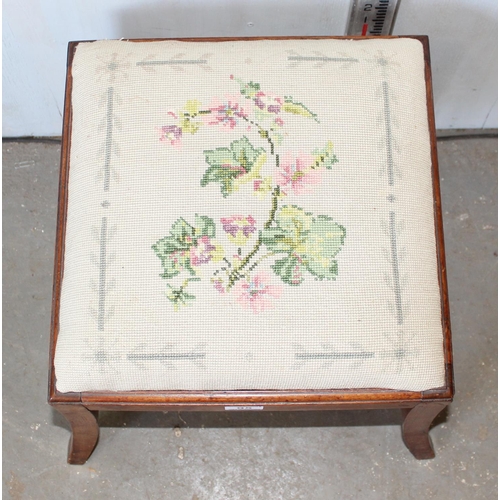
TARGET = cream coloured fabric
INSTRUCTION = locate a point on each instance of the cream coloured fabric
(136, 172)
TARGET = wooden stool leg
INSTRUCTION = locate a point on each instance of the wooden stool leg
(84, 431)
(416, 424)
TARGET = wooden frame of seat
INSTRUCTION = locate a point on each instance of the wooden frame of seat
(80, 409)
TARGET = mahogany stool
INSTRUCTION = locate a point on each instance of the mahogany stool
(250, 224)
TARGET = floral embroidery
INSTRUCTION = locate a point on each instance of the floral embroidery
(227, 113)
(239, 228)
(204, 251)
(279, 122)
(298, 173)
(233, 166)
(295, 243)
(256, 292)
(188, 246)
(172, 134)
(269, 103)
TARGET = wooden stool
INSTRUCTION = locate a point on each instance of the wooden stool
(250, 224)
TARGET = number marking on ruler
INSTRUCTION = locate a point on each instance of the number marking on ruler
(372, 17)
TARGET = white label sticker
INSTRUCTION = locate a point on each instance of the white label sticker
(244, 408)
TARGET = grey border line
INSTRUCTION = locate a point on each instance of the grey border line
(392, 214)
(172, 61)
(388, 129)
(166, 357)
(101, 309)
(306, 356)
(109, 138)
(395, 267)
(322, 59)
(102, 274)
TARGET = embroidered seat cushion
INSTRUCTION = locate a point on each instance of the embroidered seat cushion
(249, 215)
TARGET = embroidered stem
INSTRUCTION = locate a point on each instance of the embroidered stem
(259, 260)
(274, 207)
(184, 285)
(236, 273)
(262, 131)
(180, 296)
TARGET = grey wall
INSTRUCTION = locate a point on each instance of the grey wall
(463, 37)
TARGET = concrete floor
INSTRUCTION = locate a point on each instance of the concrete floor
(196, 456)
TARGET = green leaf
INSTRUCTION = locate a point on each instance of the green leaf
(229, 164)
(220, 156)
(324, 157)
(223, 175)
(244, 153)
(171, 266)
(276, 240)
(311, 243)
(297, 108)
(182, 230)
(205, 226)
(168, 245)
(192, 107)
(293, 218)
(327, 235)
(179, 297)
(322, 268)
(253, 174)
(289, 270)
(187, 120)
(189, 126)
(174, 250)
(292, 225)
(323, 242)
(174, 256)
(249, 89)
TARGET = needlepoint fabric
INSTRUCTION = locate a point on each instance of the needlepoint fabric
(249, 215)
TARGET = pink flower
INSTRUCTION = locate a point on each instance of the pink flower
(257, 184)
(268, 102)
(172, 134)
(297, 173)
(256, 294)
(225, 113)
(239, 228)
(202, 252)
(219, 285)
